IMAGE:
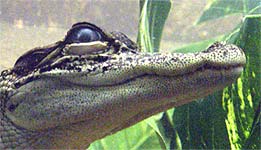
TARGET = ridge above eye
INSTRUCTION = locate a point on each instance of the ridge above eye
(32, 58)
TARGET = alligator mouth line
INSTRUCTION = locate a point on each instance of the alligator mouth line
(200, 69)
(210, 67)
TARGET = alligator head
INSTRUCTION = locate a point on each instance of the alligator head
(95, 83)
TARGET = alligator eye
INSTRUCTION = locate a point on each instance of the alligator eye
(83, 35)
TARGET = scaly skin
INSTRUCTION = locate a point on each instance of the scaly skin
(73, 95)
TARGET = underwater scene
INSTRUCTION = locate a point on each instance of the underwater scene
(134, 74)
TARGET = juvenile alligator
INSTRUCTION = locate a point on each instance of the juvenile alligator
(94, 83)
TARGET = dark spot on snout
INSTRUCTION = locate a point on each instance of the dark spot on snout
(100, 58)
(174, 59)
(129, 59)
(225, 53)
(12, 107)
(124, 49)
(104, 69)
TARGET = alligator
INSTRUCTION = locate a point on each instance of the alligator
(94, 83)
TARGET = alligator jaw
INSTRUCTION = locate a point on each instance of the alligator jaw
(72, 102)
(94, 110)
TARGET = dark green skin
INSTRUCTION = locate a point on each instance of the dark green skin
(64, 100)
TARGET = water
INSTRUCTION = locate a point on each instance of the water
(25, 25)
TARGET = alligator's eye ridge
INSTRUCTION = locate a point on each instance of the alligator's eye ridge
(83, 35)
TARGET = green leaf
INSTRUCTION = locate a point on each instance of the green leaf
(231, 119)
(198, 124)
(220, 8)
(139, 136)
(152, 19)
(198, 46)
(163, 125)
(253, 6)
(254, 138)
(242, 100)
